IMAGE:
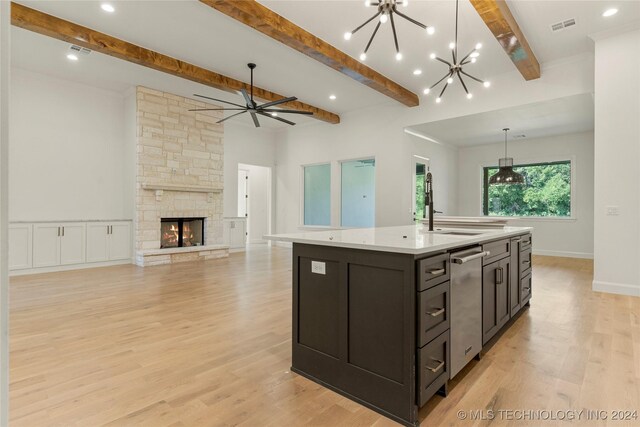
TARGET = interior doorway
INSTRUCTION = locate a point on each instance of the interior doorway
(254, 200)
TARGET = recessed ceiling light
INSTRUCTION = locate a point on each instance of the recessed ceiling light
(417, 72)
(610, 12)
(107, 7)
(332, 97)
(72, 57)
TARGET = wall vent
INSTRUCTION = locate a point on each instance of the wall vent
(522, 135)
(79, 49)
(564, 24)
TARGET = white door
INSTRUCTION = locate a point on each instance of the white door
(243, 194)
(120, 241)
(259, 203)
(97, 242)
(19, 246)
(72, 243)
(46, 245)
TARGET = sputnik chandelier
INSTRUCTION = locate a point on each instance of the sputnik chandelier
(386, 10)
(455, 66)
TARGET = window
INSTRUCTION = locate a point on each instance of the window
(546, 192)
(418, 196)
(358, 183)
(317, 195)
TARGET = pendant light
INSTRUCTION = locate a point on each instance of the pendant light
(455, 71)
(506, 174)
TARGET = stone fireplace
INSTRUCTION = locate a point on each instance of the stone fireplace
(179, 180)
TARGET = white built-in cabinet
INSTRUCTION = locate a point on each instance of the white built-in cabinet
(235, 232)
(108, 241)
(20, 246)
(60, 245)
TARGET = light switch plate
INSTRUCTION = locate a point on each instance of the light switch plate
(613, 210)
(318, 267)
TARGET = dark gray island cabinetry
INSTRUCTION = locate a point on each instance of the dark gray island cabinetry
(372, 309)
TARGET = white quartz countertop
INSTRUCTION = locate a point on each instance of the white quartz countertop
(408, 239)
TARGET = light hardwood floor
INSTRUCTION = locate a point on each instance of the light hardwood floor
(201, 344)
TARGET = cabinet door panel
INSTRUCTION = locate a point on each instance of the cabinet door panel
(502, 293)
(514, 278)
(46, 245)
(120, 241)
(72, 244)
(20, 246)
(489, 321)
(97, 242)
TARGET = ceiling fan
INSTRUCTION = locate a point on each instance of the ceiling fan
(254, 109)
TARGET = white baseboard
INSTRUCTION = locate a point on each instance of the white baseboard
(543, 252)
(617, 288)
(58, 268)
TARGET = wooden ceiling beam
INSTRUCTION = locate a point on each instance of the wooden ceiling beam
(266, 21)
(48, 25)
(497, 16)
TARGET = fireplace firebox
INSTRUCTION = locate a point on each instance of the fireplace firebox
(181, 232)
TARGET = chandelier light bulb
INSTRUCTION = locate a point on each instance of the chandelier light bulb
(438, 100)
(469, 95)
(274, 114)
(426, 91)
(450, 80)
(363, 56)
(398, 56)
(486, 84)
(452, 45)
(405, 3)
(430, 30)
(479, 46)
(367, 3)
(474, 55)
(473, 60)
(383, 18)
(347, 36)
(432, 56)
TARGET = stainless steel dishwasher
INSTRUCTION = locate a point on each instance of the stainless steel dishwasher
(466, 306)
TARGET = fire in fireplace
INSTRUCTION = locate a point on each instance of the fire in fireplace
(181, 232)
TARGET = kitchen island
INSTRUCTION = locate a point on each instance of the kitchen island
(386, 316)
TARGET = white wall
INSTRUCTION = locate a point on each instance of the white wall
(555, 237)
(5, 29)
(617, 162)
(67, 151)
(248, 145)
(379, 132)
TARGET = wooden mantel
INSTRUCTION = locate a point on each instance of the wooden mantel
(182, 188)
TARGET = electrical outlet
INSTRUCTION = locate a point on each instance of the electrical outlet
(318, 267)
(613, 210)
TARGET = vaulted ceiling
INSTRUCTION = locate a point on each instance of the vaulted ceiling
(198, 34)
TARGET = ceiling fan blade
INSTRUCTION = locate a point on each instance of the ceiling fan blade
(233, 115)
(219, 100)
(255, 120)
(278, 102)
(246, 97)
(280, 119)
(218, 109)
(275, 110)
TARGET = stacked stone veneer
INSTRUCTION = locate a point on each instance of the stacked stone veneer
(181, 149)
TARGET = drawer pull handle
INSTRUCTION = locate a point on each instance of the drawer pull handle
(526, 289)
(438, 367)
(436, 272)
(526, 262)
(436, 313)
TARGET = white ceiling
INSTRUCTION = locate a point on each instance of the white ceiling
(539, 120)
(198, 34)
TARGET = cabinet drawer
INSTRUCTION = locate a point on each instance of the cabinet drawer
(498, 250)
(433, 367)
(525, 288)
(434, 314)
(525, 262)
(433, 271)
(526, 241)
